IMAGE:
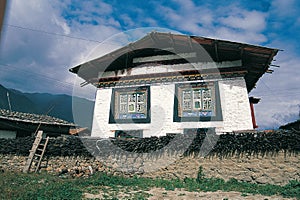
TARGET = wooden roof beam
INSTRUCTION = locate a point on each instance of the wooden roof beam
(216, 50)
(274, 65)
(269, 71)
(259, 49)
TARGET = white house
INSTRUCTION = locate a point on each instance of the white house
(168, 83)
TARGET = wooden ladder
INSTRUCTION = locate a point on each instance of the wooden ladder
(36, 153)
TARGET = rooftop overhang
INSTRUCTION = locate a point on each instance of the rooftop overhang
(255, 60)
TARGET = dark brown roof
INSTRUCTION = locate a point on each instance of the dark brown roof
(255, 59)
(32, 118)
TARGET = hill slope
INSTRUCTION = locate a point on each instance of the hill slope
(56, 105)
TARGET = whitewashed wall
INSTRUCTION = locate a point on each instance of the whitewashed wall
(234, 103)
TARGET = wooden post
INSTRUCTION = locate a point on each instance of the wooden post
(253, 101)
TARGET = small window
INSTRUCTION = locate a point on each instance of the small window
(130, 105)
(197, 102)
(129, 134)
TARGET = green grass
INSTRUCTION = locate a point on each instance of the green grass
(45, 186)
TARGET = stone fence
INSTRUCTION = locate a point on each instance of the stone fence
(250, 157)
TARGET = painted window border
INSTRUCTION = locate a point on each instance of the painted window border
(217, 117)
(113, 104)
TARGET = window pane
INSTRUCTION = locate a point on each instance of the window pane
(197, 105)
(197, 99)
(123, 98)
(131, 107)
(187, 105)
(123, 108)
(123, 103)
(187, 101)
(131, 97)
(207, 99)
(206, 93)
(141, 97)
(131, 102)
(186, 95)
(140, 108)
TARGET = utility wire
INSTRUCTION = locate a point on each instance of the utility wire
(64, 35)
(51, 33)
(9, 67)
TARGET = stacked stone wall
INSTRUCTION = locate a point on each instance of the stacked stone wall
(250, 157)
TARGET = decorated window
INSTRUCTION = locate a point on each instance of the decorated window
(130, 105)
(196, 102)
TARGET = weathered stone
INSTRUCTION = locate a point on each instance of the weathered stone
(262, 180)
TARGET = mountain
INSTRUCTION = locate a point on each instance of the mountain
(56, 105)
(17, 100)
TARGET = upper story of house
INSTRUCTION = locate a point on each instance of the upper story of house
(164, 57)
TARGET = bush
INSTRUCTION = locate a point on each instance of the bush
(200, 175)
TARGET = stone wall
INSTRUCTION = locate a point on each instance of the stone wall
(276, 169)
(265, 158)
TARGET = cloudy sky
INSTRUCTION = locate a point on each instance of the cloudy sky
(42, 39)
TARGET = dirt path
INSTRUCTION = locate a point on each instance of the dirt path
(177, 194)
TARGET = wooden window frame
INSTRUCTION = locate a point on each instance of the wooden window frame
(115, 105)
(195, 115)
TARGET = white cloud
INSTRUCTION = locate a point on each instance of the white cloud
(285, 8)
(272, 112)
(230, 22)
(252, 21)
(127, 20)
(150, 22)
(187, 16)
(62, 24)
(239, 35)
(45, 57)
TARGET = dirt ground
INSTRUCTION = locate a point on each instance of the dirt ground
(177, 194)
(159, 193)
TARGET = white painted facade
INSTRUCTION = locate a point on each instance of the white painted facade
(236, 114)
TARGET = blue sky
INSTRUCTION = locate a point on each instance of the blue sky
(42, 39)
